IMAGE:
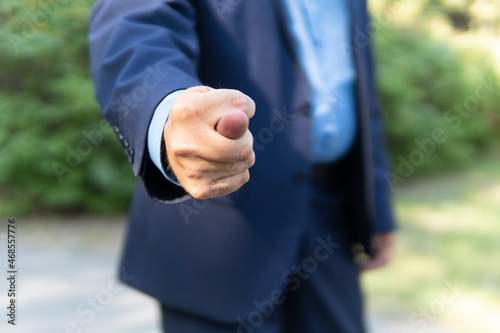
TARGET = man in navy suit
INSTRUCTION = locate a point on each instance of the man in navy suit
(199, 92)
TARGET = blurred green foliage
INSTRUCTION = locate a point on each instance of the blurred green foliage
(437, 76)
(58, 156)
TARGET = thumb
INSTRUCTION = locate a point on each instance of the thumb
(232, 125)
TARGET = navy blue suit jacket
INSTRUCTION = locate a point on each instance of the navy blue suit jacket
(216, 257)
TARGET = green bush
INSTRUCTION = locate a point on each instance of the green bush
(429, 87)
(49, 160)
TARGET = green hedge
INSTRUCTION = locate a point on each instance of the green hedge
(56, 152)
(58, 155)
(439, 102)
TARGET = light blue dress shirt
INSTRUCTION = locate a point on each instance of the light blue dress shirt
(155, 132)
(319, 28)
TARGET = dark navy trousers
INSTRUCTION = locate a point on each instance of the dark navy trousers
(322, 295)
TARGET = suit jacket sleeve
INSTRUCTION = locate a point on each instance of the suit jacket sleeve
(384, 215)
(376, 162)
(141, 51)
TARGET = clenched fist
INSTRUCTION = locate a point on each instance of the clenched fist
(209, 146)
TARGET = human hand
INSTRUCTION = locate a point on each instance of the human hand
(209, 146)
(382, 247)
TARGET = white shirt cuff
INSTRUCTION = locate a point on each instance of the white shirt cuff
(155, 133)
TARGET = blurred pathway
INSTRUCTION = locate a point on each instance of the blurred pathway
(66, 281)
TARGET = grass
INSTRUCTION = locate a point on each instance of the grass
(446, 268)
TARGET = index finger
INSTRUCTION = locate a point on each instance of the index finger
(218, 102)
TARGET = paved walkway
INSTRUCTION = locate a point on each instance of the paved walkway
(66, 281)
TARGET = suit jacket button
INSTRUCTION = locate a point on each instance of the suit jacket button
(130, 154)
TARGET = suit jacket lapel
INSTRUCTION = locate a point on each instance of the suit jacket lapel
(285, 28)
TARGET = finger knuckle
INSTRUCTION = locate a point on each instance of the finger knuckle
(251, 161)
(200, 193)
(250, 138)
(228, 170)
(245, 152)
(183, 109)
(252, 106)
(245, 178)
(239, 100)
